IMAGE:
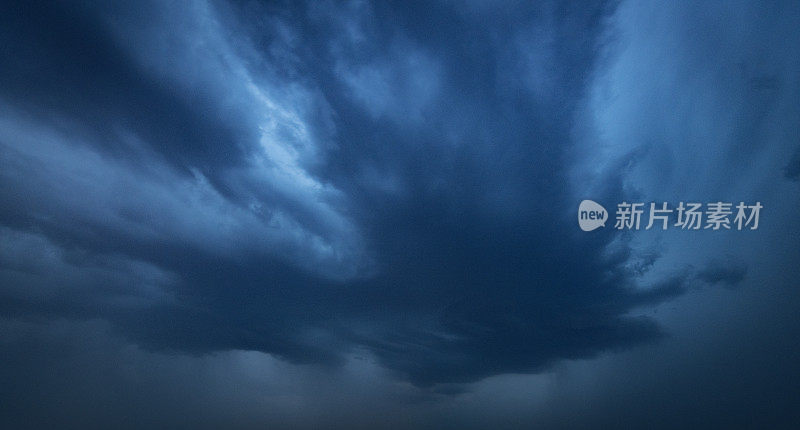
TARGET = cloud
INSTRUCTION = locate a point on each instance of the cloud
(321, 214)
(792, 169)
(238, 170)
(233, 389)
(729, 274)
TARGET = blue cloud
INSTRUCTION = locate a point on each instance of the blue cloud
(314, 181)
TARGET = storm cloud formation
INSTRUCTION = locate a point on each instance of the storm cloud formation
(311, 182)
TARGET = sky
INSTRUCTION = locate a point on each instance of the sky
(253, 214)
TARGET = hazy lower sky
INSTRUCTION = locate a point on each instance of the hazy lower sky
(254, 214)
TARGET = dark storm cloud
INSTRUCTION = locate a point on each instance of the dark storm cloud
(792, 169)
(707, 93)
(728, 274)
(308, 179)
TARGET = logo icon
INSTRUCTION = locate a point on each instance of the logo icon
(591, 215)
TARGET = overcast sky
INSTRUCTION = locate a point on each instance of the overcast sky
(363, 215)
